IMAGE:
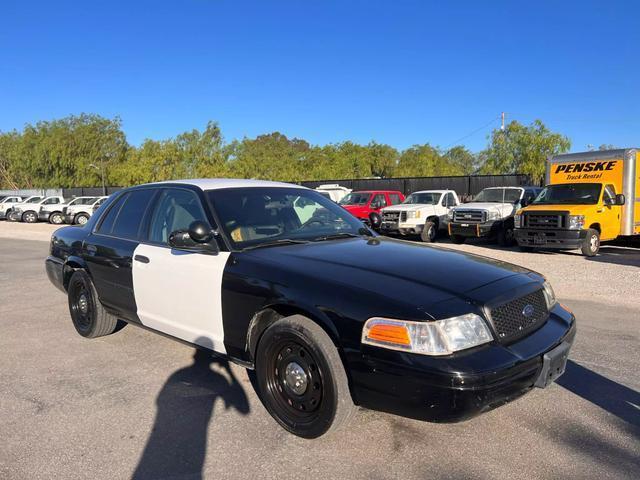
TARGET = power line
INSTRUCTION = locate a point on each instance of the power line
(493, 120)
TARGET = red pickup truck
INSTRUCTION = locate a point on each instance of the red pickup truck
(366, 204)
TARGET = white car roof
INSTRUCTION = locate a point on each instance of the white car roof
(217, 183)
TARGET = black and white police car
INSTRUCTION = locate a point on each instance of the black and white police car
(329, 314)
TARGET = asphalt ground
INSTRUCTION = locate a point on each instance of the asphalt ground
(136, 404)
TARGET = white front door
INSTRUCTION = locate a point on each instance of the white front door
(180, 293)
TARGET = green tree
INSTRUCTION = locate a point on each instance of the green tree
(461, 160)
(424, 161)
(522, 149)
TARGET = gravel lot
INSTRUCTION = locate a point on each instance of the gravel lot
(136, 404)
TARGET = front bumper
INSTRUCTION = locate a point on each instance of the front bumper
(402, 228)
(486, 229)
(3, 215)
(561, 239)
(466, 384)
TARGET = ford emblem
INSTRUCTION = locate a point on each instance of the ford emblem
(528, 311)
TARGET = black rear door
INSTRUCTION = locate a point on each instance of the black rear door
(108, 250)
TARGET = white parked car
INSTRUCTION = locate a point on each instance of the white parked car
(32, 211)
(6, 203)
(80, 209)
(422, 213)
(333, 191)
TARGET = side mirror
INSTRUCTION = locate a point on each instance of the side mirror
(620, 199)
(199, 237)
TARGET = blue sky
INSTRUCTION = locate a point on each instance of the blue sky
(399, 72)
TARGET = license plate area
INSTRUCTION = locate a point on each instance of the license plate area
(554, 363)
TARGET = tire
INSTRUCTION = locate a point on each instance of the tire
(56, 218)
(429, 232)
(89, 317)
(11, 217)
(30, 217)
(457, 239)
(506, 236)
(321, 401)
(81, 219)
(591, 243)
(375, 220)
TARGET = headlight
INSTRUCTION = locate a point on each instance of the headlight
(549, 295)
(576, 222)
(517, 220)
(450, 213)
(413, 214)
(493, 215)
(440, 337)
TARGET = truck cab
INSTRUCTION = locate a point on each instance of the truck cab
(366, 204)
(490, 214)
(6, 203)
(590, 197)
(422, 213)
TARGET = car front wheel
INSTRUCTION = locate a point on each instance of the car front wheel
(591, 243)
(301, 379)
(81, 219)
(429, 232)
(56, 218)
(30, 217)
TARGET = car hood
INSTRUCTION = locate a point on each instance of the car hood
(382, 265)
(408, 207)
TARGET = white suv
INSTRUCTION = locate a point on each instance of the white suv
(422, 213)
(80, 209)
(6, 203)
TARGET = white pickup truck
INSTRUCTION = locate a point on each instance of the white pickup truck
(490, 214)
(422, 213)
(32, 210)
(6, 203)
(79, 210)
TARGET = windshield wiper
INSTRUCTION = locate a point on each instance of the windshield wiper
(335, 236)
(274, 243)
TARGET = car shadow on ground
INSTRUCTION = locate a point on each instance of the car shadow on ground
(177, 444)
(621, 401)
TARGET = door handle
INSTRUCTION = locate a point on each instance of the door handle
(141, 259)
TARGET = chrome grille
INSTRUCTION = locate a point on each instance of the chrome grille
(517, 318)
(469, 216)
(390, 217)
(403, 216)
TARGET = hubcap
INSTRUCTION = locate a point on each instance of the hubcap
(82, 220)
(594, 242)
(83, 303)
(295, 378)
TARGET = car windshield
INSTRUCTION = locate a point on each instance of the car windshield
(82, 201)
(357, 198)
(571, 193)
(259, 215)
(500, 195)
(423, 198)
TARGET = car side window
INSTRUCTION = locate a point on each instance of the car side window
(379, 201)
(395, 198)
(51, 201)
(106, 224)
(609, 195)
(176, 210)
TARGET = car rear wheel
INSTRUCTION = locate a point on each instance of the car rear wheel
(591, 243)
(429, 232)
(457, 239)
(89, 317)
(56, 218)
(301, 379)
(81, 219)
(30, 217)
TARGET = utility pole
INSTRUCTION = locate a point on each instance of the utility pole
(502, 116)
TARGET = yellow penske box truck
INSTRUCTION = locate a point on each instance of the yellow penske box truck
(589, 197)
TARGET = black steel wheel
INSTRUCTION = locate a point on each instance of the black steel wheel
(301, 379)
(89, 317)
